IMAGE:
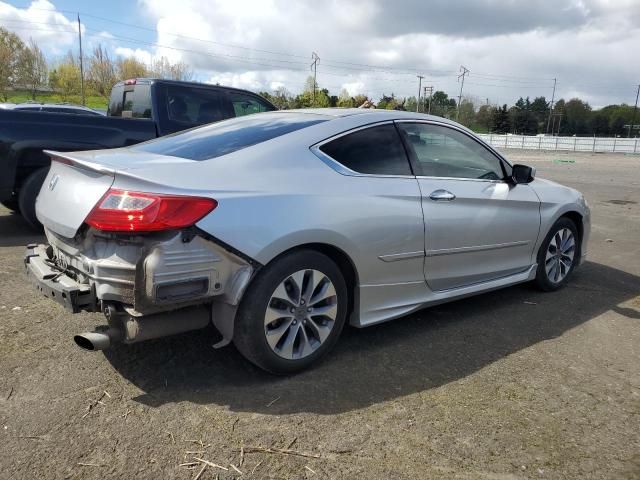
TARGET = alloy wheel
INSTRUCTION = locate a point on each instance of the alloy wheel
(560, 255)
(300, 314)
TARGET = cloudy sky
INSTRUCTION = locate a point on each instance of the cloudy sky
(511, 48)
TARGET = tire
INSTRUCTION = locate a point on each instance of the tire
(296, 340)
(549, 277)
(28, 194)
(11, 205)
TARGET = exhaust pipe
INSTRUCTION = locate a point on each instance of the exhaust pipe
(137, 329)
(98, 340)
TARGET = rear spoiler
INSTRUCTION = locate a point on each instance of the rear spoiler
(71, 159)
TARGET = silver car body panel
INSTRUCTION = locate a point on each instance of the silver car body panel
(284, 193)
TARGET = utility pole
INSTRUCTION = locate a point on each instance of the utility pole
(430, 90)
(420, 77)
(81, 62)
(635, 109)
(424, 98)
(314, 66)
(553, 97)
(464, 71)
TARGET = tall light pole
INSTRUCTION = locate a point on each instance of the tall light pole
(81, 61)
(420, 77)
(464, 71)
(553, 97)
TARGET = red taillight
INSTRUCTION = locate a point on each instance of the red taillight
(131, 81)
(123, 211)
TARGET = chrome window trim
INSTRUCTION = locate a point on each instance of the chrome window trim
(340, 168)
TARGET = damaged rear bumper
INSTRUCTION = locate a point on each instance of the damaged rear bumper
(143, 283)
(51, 281)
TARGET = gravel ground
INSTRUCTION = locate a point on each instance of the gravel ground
(512, 384)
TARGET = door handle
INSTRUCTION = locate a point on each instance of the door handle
(442, 196)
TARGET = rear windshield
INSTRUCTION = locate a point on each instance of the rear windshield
(228, 136)
(130, 102)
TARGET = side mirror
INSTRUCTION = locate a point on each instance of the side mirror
(522, 174)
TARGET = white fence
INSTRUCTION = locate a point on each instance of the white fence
(575, 144)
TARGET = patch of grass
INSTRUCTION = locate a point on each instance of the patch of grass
(92, 101)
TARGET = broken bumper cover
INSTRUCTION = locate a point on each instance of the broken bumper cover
(53, 283)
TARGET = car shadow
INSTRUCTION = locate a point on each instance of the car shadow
(424, 350)
(15, 231)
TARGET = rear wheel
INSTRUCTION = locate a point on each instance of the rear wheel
(558, 256)
(293, 312)
(28, 194)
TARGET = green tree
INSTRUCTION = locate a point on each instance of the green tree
(390, 103)
(577, 115)
(67, 77)
(500, 120)
(410, 104)
(345, 100)
(359, 100)
(131, 68)
(483, 118)
(467, 112)
(442, 105)
(102, 72)
(12, 57)
(34, 69)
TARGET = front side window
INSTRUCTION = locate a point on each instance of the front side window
(375, 151)
(443, 152)
(247, 104)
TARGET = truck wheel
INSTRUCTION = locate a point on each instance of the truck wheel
(28, 194)
(11, 205)
(558, 256)
(292, 313)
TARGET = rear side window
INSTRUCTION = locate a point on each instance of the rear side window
(193, 105)
(141, 101)
(375, 151)
(244, 104)
(222, 138)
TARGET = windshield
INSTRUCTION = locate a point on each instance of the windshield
(228, 136)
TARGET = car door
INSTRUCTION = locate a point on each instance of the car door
(478, 226)
(385, 204)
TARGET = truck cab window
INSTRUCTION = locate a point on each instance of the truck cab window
(193, 105)
(247, 104)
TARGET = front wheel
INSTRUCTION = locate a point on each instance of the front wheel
(558, 256)
(292, 313)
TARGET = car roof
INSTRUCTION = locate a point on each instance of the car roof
(50, 105)
(370, 114)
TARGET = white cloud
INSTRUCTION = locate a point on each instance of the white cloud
(139, 54)
(585, 44)
(376, 47)
(41, 22)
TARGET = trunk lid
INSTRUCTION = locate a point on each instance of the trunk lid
(77, 181)
(70, 191)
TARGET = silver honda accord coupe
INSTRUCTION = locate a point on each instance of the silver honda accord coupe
(279, 227)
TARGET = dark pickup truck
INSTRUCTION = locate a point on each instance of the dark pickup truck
(139, 110)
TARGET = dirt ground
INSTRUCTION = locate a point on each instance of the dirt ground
(512, 384)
